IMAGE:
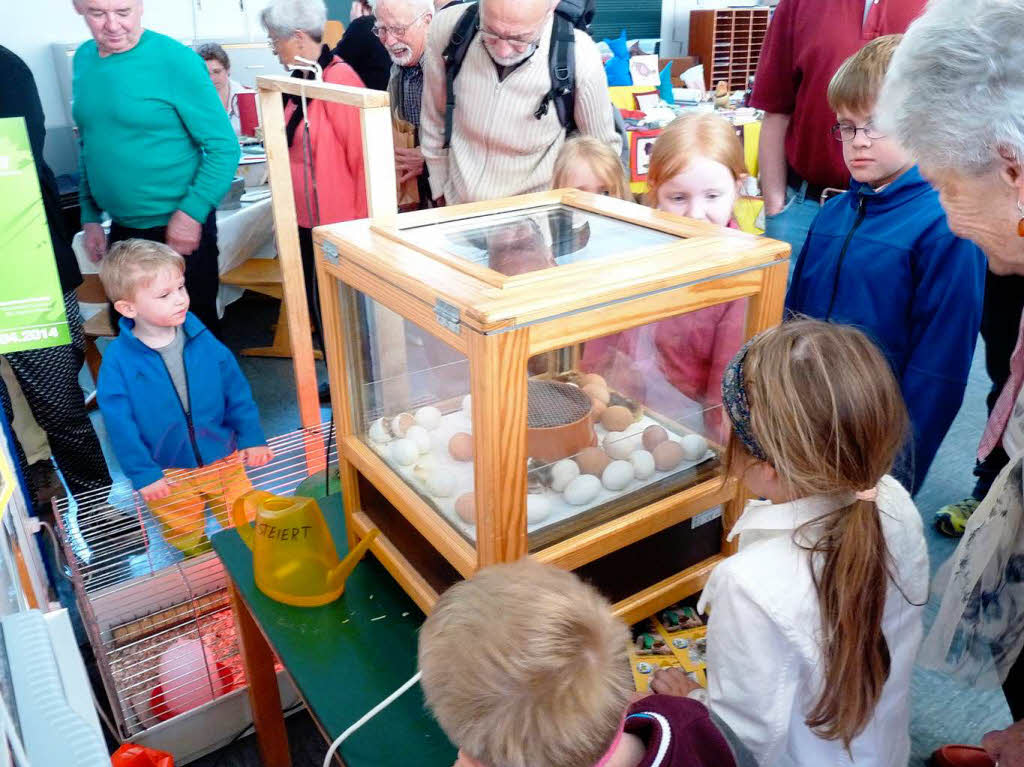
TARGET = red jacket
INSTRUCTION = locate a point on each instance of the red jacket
(337, 146)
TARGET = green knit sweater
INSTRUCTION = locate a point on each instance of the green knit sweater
(155, 137)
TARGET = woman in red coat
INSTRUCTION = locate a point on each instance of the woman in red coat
(326, 148)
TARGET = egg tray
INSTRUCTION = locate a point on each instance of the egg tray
(563, 519)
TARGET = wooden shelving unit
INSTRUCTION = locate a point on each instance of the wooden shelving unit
(728, 42)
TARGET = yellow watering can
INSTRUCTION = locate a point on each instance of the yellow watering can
(293, 554)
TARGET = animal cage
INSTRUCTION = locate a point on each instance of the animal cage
(155, 603)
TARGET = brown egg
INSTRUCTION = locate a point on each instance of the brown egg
(667, 455)
(465, 507)
(461, 446)
(592, 460)
(597, 392)
(597, 407)
(654, 436)
(593, 378)
(400, 424)
(616, 418)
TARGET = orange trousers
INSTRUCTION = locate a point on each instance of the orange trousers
(182, 515)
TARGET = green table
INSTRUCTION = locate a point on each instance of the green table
(344, 658)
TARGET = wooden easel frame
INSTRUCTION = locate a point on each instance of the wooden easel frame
(381, 197)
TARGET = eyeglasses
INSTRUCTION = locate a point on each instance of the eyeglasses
(516, 43)
(397, 32)
(842, 132)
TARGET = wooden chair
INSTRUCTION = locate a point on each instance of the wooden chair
(97, 326)
(263, 275)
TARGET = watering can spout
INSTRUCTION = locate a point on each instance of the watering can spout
(340, 574)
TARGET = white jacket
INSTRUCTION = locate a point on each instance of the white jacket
(765, 664)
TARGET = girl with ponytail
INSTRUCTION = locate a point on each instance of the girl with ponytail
(815, 623)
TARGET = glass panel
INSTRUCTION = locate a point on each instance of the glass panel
(622, 421)
(523, 241)
(411, 407)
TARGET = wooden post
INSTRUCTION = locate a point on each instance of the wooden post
(286, 231)
(382, 201)
(765, 308)
(497, 370)
(264, 698)
(337, 374)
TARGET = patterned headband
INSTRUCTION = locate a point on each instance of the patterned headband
(734, 398)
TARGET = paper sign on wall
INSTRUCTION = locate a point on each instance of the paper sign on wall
(31, 302)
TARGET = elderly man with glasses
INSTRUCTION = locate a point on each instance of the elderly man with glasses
(157, 149)
(501, 143)
(402, 27)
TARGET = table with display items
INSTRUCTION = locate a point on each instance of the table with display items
(541, 375)
(344, 658)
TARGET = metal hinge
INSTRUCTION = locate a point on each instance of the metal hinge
(330, 251)
(447, 315)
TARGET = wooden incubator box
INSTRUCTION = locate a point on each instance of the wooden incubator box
(541, 375)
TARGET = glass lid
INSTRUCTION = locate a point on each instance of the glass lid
(526, 240)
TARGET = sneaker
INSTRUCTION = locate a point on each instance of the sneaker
(952, 519)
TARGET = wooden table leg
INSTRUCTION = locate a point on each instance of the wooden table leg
(264, 698)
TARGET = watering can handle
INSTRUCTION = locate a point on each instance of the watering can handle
(240, 512)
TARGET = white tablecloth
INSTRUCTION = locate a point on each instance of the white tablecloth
(244, 233)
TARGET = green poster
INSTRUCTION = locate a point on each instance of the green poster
(31, 303)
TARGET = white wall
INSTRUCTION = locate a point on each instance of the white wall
(31, 27)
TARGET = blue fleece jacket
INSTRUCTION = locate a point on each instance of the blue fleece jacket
(887, 262)
(148, 425)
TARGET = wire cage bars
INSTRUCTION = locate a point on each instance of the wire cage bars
(153, 596)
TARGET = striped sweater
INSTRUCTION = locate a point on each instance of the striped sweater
(498, 147)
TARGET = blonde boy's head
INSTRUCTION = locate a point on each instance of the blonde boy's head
(133, 264)
(524, 665)
(855, 86)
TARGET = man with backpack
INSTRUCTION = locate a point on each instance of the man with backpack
(504, 82)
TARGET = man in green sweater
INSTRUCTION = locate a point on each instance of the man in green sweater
(157, 149)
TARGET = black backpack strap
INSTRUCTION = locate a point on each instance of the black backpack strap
(562, 63)
(454, 54)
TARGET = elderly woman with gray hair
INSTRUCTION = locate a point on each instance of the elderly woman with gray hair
(326, 149)
(954, 96)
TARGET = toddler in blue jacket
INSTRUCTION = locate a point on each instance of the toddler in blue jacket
(882, 257)
(179, 412)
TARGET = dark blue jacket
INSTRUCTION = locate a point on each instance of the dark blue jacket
(888, 263)
(148, 426)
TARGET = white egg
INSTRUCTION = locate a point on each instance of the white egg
(441, 483)
(562, 473)
(537, 508)
(404, 451)
(428, 417)
(619, 445)
(617, 475)
(643, 464)
(694, 447)
(582, 490)
(420, 436)
(379, 432)
(467, 405)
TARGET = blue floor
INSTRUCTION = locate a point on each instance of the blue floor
(943, 712)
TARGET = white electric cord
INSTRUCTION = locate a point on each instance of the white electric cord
(368, 716)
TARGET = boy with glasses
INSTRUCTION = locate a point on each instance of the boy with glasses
(881, 256)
